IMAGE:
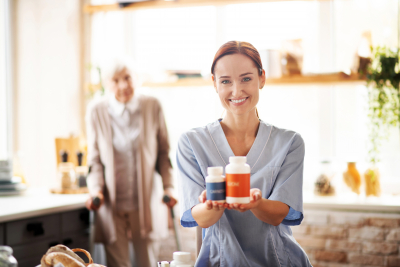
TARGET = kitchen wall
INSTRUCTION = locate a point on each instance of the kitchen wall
(47, 82)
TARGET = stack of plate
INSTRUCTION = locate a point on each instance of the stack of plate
(9, 185)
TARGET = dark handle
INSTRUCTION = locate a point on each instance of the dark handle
(67, 241)
(36, 228)
(52, 244)
(96, 201)
(167, 199)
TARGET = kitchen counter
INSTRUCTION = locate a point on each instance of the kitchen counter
(37, 202)
(352, 202)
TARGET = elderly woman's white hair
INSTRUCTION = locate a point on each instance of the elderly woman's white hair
(115, 65)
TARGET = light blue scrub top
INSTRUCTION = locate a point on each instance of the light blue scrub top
(240, 239)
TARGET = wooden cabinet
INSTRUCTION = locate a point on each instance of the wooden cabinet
(33, 230)
(31, 238)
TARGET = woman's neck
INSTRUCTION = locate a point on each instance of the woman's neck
(241, 127)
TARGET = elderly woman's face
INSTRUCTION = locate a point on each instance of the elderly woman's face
(122, 86)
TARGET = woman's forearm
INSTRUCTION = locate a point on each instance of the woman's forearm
(206, 217)
(271, 211)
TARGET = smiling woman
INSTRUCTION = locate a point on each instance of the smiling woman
(238, 93)
(257, 233)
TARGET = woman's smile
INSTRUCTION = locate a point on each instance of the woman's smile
(238, 101)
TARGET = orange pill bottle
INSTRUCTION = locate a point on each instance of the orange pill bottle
(237, 181)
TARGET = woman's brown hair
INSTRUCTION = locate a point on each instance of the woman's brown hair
(237, 47)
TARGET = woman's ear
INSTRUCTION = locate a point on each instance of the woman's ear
(262, 79)
(214, 82)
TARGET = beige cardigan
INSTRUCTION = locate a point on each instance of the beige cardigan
(152, 156)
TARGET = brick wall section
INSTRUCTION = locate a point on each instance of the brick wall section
(350, 239)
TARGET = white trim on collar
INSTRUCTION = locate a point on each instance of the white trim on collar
(117, 108)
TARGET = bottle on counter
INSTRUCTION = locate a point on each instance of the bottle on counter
(181, 259)
(6, 257)
(237, 181)
(215, 185)
(352, 177)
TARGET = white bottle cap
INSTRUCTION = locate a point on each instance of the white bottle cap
(215, 170)
(181, 256)
(237, 159)
(164, 264)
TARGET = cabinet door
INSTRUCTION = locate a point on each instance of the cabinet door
(78, 239)
(32, 253)
(2, 241)
(76, 220)
(33, 230)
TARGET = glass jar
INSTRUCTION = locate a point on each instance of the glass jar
(323, 186)
(66, 174)
(6, 257)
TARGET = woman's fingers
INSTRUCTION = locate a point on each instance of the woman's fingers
(203, 196)
(209, 204)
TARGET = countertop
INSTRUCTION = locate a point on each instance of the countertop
(352, 202)
(38, 202)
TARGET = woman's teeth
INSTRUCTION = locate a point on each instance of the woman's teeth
(238, 101)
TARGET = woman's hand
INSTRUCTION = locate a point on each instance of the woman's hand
(255, 199)
(211, 205)
(90, 205)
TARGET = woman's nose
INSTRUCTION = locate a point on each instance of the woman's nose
(122, 85)
(236, 90)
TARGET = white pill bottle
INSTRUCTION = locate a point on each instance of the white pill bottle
(181, 259)
(215, 184)
(237, 174)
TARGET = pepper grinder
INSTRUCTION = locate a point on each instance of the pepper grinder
(81, 171)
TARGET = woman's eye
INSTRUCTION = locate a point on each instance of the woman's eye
(246, 79)
(225, 81)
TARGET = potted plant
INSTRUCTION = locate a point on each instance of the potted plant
(383, 79)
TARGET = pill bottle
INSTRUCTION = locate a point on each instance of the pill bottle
(181, 259)
(237, 181)
(215, 184)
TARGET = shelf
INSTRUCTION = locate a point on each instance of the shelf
(324, 79)
(170, 4)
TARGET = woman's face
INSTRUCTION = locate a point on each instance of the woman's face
(122, 86)
(237, 83)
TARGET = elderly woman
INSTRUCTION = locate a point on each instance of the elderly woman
(127, 145)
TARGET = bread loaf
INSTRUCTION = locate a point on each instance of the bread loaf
(54, 258)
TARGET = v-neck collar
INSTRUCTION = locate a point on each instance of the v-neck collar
(254, 154)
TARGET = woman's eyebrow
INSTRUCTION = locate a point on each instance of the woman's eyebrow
(244, 74)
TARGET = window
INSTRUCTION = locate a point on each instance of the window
(331, 118)
(5, 107)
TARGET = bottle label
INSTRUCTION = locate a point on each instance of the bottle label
(238, 185)
(216, 191)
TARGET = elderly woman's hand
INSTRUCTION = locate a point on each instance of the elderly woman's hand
(89, 202)
(172, 200)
